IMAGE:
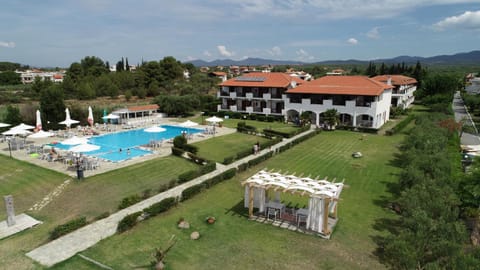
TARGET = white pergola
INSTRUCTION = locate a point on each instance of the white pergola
(323, 195)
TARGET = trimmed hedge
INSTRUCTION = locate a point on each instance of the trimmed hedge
(242, 167)
(128, 201)
(191, 191)
(68, 227)
(209, 167)
(177, 151)
(400, 126)
(187, 176)
(228, 160)
(196, 159)
(244, 128)
(160, 207)
(128, 222)
(229, 173)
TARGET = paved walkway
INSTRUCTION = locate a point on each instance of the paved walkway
(67, 246)
(461, 114)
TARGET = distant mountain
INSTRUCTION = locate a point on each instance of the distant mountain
(244, 62)
(468, 58)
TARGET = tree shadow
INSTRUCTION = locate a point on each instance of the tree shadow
(237, 210)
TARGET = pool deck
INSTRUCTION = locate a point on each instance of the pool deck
(105, 166)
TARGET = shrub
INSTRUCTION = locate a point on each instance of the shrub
(172, 183)
(191, 191)
(179, 142)
(274, 133)
(102, 215)
(228, 160)
(261, 118)
(128, 222)
(162, 188)
(160, 207)
(187, 176)
(400, 126)
(68, 227)
(190, 148)
(242, 167)
(147, 193)
(229, 173)
(196, 159)
(213, 181)
(127, 201)
(209, 167)
(269, 119)
(177, 151)
(244, 153)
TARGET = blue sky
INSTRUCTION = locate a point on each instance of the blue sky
(57, 33)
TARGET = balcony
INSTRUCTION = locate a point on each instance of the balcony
(249, 109)
(249, 95)
(258, 109)
(233, 108)
(267, 110)
(233, 94)
(267, 96)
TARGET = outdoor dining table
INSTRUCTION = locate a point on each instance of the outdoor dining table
(275, 205)
(301, 212)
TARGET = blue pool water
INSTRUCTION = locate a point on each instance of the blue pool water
(110, 144)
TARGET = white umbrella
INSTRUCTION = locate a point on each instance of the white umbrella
(214, 119)
(2, 125)
(111, 116)
(68, 121)
(40, 134)
(23, 126)
(154, 129)
(16, 131)
(75, 140)
(85, 147)
(90, 116)
(188, 123)
(39, 121)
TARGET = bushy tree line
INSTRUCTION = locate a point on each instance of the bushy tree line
(429, 233)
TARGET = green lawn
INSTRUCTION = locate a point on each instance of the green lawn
(218, 148)
(97, 194)
(236, 243)
(232, 123)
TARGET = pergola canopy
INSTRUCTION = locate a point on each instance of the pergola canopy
(295, 184)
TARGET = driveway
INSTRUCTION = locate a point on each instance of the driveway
(461, 113)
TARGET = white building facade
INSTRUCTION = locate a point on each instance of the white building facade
(403, 89)
(256, 92)
(359, 101)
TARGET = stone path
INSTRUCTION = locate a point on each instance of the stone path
(67, 246)
(47, 199)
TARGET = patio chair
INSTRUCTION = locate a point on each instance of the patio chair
(272, 212)
(301, 219)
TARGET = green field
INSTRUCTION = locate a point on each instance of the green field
(234, 242)
(98, 194)
(218, 148)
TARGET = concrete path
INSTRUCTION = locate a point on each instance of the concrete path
(461, 114)
(67, 246)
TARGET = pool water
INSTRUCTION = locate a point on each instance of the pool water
(126, 144)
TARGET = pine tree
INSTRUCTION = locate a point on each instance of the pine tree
(127, 66)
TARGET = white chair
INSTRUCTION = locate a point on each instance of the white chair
(272, 212)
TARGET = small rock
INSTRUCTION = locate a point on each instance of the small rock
(194, 235)
(184, 225)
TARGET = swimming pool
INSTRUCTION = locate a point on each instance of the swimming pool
(110, 144)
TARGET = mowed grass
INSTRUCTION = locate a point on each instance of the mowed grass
(90, 198)
(234, 242)
(218, 148)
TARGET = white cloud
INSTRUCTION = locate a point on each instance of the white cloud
(352, 41)
(303, 55)
(207, 53)
(275, 51)
(373, 33)
(468, 20)
(224, 52)
(7, 44)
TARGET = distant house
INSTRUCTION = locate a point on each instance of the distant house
(219, 74)
(338, 72)
(29, 76)
(256, 92)
(403, 89)
(359, 100)
(301, 75)
(204, 69)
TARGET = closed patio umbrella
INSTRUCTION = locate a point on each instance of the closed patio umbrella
(68, 121)
(38, 125)
(90, 116)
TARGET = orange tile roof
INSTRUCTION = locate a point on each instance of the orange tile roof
(143, 108)
(57, 76)
(396, 79)
(271, 79)
(219, 73)
(342, 85)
